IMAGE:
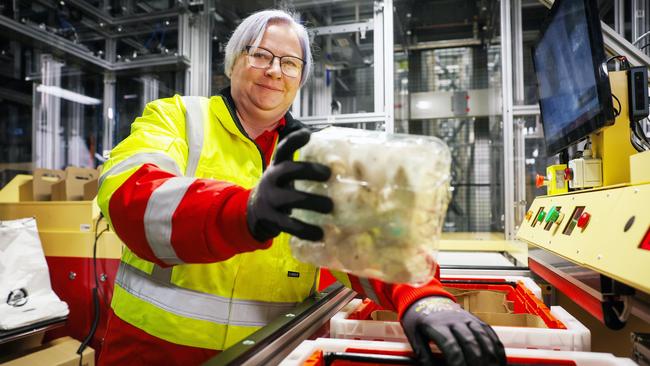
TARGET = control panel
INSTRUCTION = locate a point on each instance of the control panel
(607, 230)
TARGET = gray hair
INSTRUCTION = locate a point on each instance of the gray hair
(251, 31)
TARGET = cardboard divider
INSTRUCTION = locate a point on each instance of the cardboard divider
(72, 188)
(40, 187)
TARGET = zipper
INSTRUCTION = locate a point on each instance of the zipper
(243, 131)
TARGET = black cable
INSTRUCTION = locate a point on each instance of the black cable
(95, 294)
(638, 131)
(621, 59)
(638, 142)
(617, 112)
(635, 144)
(644, 46)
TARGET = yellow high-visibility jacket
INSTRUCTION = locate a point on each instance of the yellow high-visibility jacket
(179, 279)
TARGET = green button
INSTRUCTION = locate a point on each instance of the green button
(541, 215)
(553, 214)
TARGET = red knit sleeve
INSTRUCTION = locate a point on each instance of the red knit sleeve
(397, 297)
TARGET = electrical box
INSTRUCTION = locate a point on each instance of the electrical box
(586, 173)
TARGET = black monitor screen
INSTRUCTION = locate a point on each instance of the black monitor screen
(574, 91)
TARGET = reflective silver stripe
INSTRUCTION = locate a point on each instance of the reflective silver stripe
(367, 288)
(194, 132)
(161, 160)
(198, 305)
(158, 217)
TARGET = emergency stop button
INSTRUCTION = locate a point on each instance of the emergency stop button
(583, 220)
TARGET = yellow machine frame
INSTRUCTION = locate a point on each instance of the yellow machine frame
(619, 215)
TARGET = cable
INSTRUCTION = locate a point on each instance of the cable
(617, 112)
(625, 313)
(95, 293)
(621, 59)
(641, 37)
(639, 142)
(638, 131)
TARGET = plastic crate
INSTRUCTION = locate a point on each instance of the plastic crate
(565, 333)
(310, 353)
(528, 282)
(525, 301)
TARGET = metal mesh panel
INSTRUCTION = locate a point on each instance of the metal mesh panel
(475, 142)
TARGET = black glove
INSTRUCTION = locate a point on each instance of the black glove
(462, 338)
(271, 202)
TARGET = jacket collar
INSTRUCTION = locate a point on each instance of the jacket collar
(291, 124)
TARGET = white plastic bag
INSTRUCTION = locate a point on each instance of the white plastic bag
(390, 196)
(26, 295)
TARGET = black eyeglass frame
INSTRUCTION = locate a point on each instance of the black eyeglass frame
(273, 57)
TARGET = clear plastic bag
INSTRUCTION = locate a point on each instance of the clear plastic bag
(390, 194)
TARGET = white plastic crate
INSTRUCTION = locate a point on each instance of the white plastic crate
(527, 356)
(575, 338)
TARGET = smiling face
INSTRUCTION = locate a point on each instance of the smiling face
(263, 96)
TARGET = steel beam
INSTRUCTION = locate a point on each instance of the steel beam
(526, 110)
(72, 49)
(619, 16)
(108, 113)
(507, 100)
(129, 19)
(639, 19)
(389, 67)
(432, 45)
(343, 28)
(378, 58)
(150, 62)
(15, 96)
(51, 40)
(344, 119)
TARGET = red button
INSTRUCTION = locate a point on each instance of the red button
(583, 220)
(539, 181)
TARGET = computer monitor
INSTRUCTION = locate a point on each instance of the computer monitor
(574, 92)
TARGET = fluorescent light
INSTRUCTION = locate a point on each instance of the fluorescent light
(67, 95)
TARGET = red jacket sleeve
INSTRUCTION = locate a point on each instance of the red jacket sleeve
(171, 220)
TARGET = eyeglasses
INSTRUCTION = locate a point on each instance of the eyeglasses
(261, 58)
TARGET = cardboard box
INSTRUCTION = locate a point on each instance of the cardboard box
(90, 190)
(384, 315)
(72, 187)
(40, 187)
(59, 352)
(481, 301)
(512, 320)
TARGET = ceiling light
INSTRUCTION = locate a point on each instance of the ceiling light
(67, 95)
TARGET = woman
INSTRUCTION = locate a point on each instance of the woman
(203, 209)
